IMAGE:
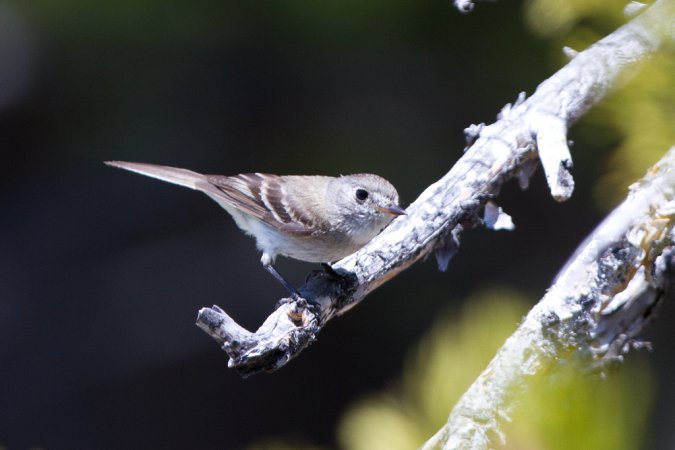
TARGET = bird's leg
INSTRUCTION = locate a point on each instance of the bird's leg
(297, 298)
(266, 260)
(294, 292)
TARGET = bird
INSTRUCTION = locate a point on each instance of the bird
(312, 218)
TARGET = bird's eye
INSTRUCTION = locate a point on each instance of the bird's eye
(361, 194)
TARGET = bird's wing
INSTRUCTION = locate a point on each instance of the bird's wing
(264, 197)
(242, 192)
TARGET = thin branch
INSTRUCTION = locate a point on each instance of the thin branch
(595, 309)
(497, 153)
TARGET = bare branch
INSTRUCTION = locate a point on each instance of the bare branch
(497, 153)
(595, 309)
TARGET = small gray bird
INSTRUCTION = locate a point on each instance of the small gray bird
(310, 218)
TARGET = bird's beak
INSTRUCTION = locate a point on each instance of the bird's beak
(394, 210)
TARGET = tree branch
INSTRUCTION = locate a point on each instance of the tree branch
(496, 153)
(596, 307)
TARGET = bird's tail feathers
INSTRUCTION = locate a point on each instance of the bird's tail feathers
(181, 177)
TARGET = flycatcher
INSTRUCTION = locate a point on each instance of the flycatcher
(306, 217)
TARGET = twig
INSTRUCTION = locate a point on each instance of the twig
(497, 153)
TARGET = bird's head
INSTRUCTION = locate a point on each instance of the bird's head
(365, 203)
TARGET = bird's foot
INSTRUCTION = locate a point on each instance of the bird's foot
(298, 307)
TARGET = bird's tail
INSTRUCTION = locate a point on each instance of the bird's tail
(181, 177)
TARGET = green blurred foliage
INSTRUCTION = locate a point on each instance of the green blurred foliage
(554, 18)
(437, 372)
(565, 408)
(638, 119)
(570, 409)
(642, 112)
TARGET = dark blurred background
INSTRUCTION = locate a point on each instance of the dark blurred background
(102, 271)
